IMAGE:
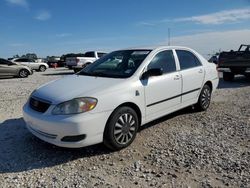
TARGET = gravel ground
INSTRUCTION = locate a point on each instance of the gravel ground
(184, 149)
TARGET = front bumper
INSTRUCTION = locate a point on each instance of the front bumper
(53, 128)
(224, 70)
(229, 70)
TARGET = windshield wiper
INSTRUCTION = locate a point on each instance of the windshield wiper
(84, 73)
(93, 74)
(101, 74)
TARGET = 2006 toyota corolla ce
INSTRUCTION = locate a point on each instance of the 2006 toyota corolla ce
(108, 100)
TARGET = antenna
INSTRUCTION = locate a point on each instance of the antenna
(168, 36)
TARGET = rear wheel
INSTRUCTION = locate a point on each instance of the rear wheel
(204, 98)
(228, 76)
(121, 128)
(23, 73)
(85, 65)
(42, 68)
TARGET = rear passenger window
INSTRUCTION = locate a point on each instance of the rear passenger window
(164, 60)
(90, 54)
(18, 60)
(187, 59)
(100, 54)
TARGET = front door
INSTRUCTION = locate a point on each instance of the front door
(162, 93)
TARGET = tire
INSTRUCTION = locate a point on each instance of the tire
(42, 68)
(227, 76)
(23, 73)
(77, 70)
(204, 99)
(121, 128)
(85, 65)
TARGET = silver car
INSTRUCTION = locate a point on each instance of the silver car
(8, 68)
(32, 64)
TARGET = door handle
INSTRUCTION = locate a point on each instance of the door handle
(200, 71)
(177, 77)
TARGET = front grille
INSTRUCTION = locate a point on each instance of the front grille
(38, 105)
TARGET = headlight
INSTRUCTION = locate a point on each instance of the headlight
(75, 106)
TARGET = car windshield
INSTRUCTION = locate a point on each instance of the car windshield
(118, 64)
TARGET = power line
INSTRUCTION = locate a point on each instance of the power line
(168, 36)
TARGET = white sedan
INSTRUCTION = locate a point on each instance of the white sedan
(32, 64)
(108, 100)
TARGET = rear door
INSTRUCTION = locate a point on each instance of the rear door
(192, 73)
(33, 64)
(22, 61)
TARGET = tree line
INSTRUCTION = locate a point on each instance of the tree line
(62, 58)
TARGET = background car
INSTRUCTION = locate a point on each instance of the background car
(53, 60)
(8, 68)
(77, 63)
(235, 62)
(32, 64)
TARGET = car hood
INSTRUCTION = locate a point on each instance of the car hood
(73, 86)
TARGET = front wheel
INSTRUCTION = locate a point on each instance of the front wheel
(121, 128)
(204, 98)
(23, 73)
(42, 68)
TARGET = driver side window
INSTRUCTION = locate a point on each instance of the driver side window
(163, 60)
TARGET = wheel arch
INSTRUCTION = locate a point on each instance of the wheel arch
(21, 69)
(210, 84)
(86, 64)
(132, 105)
(108, 140)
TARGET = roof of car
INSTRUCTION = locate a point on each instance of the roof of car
(156, 47)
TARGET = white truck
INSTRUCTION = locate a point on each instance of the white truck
(78, 63)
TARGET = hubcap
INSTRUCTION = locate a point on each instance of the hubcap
(42, 69)
(124, 128)
(23, 73)
(205, 98)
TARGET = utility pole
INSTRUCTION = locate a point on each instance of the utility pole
(168, 36)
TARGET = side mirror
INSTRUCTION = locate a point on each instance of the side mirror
(152, 72)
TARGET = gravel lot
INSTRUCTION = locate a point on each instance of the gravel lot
(184, 149)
